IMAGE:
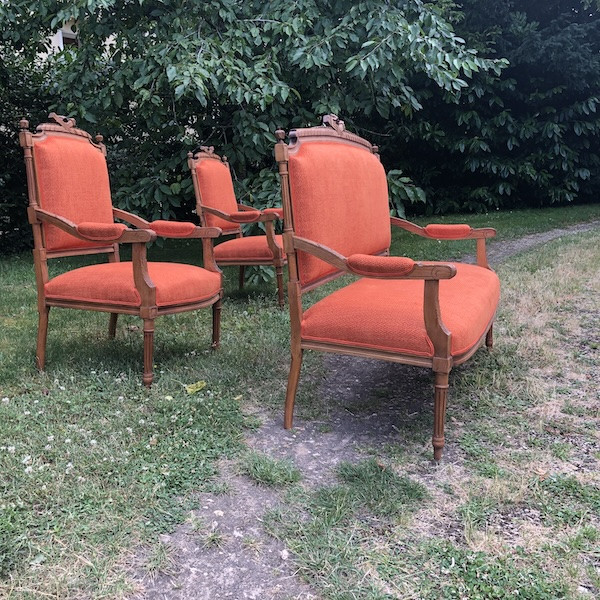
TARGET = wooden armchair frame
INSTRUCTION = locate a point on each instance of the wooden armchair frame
(376, 265)
(244, 214)
(104, 238)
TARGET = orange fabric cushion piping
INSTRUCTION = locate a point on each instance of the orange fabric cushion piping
(242, 249)
(175, 229)
(387, 315)
(245, 216)
(176, 283)
(448, 232)
(216, 191)
(339, 199)
(380, 266)
(72, 181)
(274, 211)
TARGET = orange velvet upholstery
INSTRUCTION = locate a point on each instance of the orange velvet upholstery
(448, 232)
(172, 229)
(72, 181)
(274, 211)
(339, 199)
(104, 232)
(387, 315)
(216, 191)
(175, 283)
(251, 248)
(380, 266)
(245, 216)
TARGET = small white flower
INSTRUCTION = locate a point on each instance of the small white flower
(26, 459)
(120, 398)
(36, 401)
(62, 387)
(5, 400)
(93, 443)
(47, 447)
(129, 430)
(50, 438)
(68, 441)
(11, 449)
(27, 412)
(80, 478)
(168, 397)
(28, 469)
(142, 421)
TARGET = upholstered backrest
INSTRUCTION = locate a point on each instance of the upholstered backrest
(72, 182)
(339, 199)
(216, 191)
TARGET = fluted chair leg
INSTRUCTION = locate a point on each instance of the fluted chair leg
(112, 325)
(148, 352)
(489, 338)
(216, 325)
(439, 414)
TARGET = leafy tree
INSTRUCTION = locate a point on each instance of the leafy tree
(160, 77)
(527, 137)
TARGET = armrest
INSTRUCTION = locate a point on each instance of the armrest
(443, 231)
(246, 215)
(367, 265)
(278, 212)
(397, 267)
(183, 229)
(96, 232)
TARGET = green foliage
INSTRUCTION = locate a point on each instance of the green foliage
(268, 471)
(160, 78)
(527, 137)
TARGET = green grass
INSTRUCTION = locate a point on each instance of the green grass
(268, 471)
(94, 467)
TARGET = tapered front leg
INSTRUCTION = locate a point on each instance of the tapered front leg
(439, 414)
(112, 325)
(216, 325)
(148, 352)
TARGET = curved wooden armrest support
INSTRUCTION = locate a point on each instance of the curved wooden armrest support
(95, 232)
(278, 212)
(323, 252)
(130, 218)
(241, 216)
(445, 231)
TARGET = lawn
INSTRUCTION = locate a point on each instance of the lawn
(94, 467)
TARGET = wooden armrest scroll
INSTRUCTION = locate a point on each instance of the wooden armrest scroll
(101, 231)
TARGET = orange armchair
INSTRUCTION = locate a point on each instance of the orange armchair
(217, 206)
(337, 221)
(71, 212)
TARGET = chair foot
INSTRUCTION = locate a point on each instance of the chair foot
(216, 325)
(290, 395)
(112, 325)
(40, 354)
(148, 352)
(439, 414)
(489, 338)
(241, 279)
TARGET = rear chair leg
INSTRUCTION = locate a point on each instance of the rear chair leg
(148, 351)
(40, 355)
(216, 325)
(290, 395)
(489, 338)
(112, 325)
(280, 294)
(439, 414)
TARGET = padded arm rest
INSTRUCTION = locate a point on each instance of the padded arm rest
(448, 232)
(245, 216)
(445, 232)
(380, 266)
(172, 229)
(278, 212)
(101, 232)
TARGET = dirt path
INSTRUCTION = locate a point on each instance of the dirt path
(223, 551)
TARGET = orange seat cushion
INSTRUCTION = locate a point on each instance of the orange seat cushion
(383, 314)
(72, 179)
(253, 247)
(175, 283)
